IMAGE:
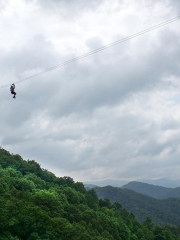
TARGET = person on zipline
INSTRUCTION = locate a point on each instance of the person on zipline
(12, 88)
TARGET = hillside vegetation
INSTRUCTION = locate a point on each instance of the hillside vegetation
(161, 212)
(37, 205)
(153, 191)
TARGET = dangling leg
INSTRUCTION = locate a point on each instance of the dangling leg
(14, 94)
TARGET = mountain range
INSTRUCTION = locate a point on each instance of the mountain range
(163, 182)
(153, 191)
(35, 204)
(162, 212)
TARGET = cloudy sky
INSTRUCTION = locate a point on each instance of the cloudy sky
(115, 114)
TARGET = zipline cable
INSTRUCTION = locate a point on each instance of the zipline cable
(96, 50)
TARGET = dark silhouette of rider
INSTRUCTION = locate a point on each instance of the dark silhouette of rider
(12, 88)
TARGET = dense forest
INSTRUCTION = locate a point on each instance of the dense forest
(37, 205)
(153, 191)
(162, 212)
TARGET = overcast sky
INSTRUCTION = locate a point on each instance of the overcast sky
(115, 114)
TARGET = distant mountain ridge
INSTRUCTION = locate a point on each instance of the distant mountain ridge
(163, 182)
(162, 212)
(89, 186)
(153, 191)
(107, 182)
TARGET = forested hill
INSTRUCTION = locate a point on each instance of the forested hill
(153, 191)
(37, 205)
(161, 212)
